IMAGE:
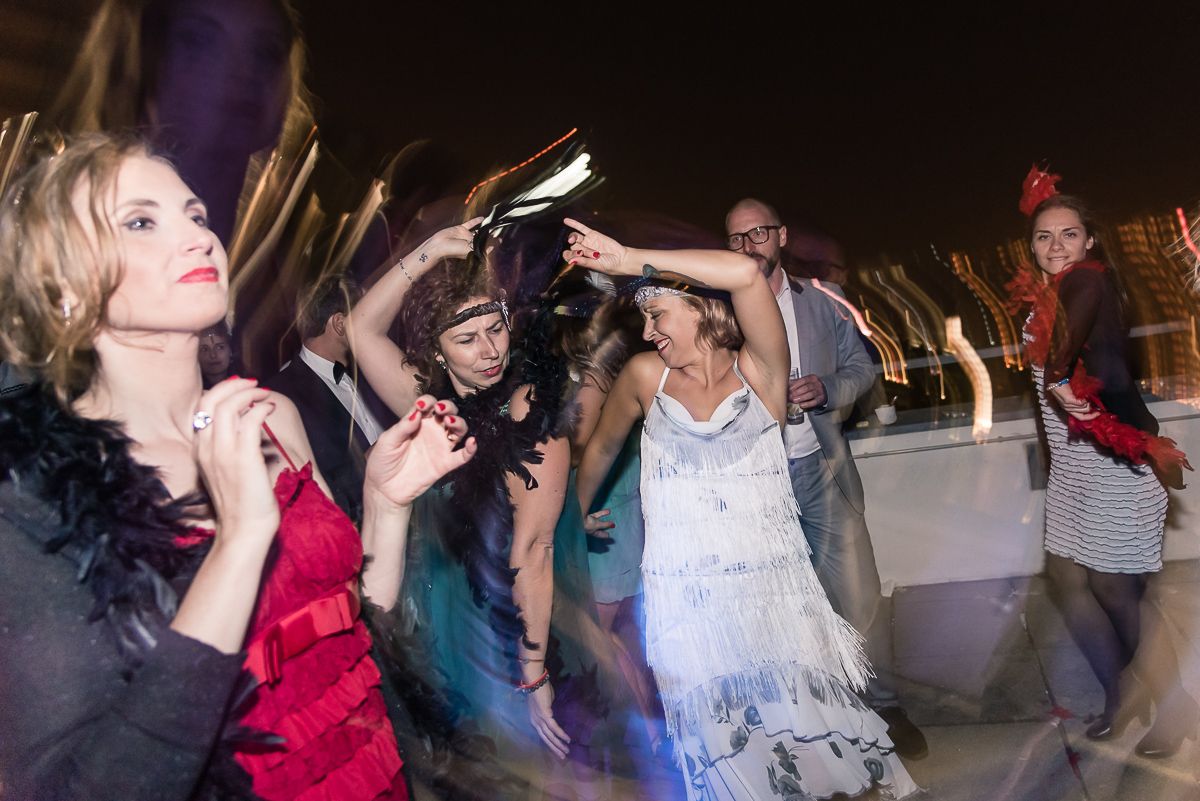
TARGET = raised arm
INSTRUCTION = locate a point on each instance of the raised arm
(754, 306)
(380, 358)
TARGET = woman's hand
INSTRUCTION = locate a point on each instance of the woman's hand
(417, 451)
(450, 243)
(542, 717)
(595, 251)
(596, 524)
(229, 452)
(1076, 407)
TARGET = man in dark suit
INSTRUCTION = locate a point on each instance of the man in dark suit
(830, 369)
(339, 424)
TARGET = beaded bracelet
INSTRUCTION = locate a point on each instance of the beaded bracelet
(1061, 383)
(400, 264)
(533, 686)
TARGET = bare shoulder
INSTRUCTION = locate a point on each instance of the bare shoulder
(645, 367)
(520, 401)
(287, 426)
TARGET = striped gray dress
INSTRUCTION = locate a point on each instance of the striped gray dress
(1105, 514)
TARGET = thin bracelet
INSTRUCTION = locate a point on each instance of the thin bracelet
(400, 264)
(533, 686)
(1061, 382)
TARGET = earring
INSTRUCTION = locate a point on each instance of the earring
(445, 369)
(65, 305)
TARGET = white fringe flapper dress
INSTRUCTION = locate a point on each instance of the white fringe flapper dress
(754, 667)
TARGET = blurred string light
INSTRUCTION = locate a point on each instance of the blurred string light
(523, 164)
(984, 294)
(977, 374)
(915, 325)
(894, 367)
(1185, 232)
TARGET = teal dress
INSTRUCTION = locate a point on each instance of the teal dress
(463, 647)
(617, 571)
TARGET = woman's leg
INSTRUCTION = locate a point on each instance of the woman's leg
(617, 619)
(1120, 595)
(1089, 625)
(1176, 713)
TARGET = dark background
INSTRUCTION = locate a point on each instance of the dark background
(893, 126)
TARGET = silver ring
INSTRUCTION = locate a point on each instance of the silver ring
(201, 421)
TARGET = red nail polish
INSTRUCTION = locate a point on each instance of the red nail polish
(595, 254)
(451, 419)
(234, 377)
(413, 416)
(420, 404)
(441, 407)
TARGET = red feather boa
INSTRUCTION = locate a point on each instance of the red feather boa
(1028, 289)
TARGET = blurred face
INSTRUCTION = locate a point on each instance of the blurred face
(1059, 240)
(223, 81)
(671, 325)
(174, 272)
(744, 220)
(475, 352)
(214, 356)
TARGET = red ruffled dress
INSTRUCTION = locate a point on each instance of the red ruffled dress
(320, 689)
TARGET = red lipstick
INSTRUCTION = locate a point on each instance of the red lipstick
(201, 275)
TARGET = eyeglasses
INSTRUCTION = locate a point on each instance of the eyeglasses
(756, 235)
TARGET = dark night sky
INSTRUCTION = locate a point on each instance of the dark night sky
(892, 128)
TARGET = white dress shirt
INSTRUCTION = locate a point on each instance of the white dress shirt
(345, 391)
(800, 438)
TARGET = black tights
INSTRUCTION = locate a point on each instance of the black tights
(1103, 615)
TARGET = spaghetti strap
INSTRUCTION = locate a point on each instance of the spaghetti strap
(662, 382)
(278, 445)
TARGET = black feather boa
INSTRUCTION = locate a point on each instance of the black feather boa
(443, 748)
(117, 524)
(482, 538)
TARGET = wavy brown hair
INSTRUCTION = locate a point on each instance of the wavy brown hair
(56, 278)
(431, 302)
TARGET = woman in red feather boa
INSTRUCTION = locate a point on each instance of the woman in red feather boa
(1105, 507)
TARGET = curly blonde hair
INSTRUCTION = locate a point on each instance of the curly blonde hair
(56, 277)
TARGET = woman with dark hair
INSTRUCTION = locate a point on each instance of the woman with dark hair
(159, 539)
(479, 577)
(754, 668)
(216, 354)
(1105, 507)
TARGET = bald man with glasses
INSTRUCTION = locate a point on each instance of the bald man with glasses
(830, 370)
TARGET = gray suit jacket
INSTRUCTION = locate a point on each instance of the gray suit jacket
(830, 349)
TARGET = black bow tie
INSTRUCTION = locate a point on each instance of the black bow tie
(339, 370)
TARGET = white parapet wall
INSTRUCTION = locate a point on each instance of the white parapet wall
(942, 507)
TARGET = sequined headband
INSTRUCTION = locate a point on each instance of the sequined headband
(491, 307)
(651, 291)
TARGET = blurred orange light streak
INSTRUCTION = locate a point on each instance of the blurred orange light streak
(1187, 233)
(524, 163)
(858, 318)
(977, 374)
